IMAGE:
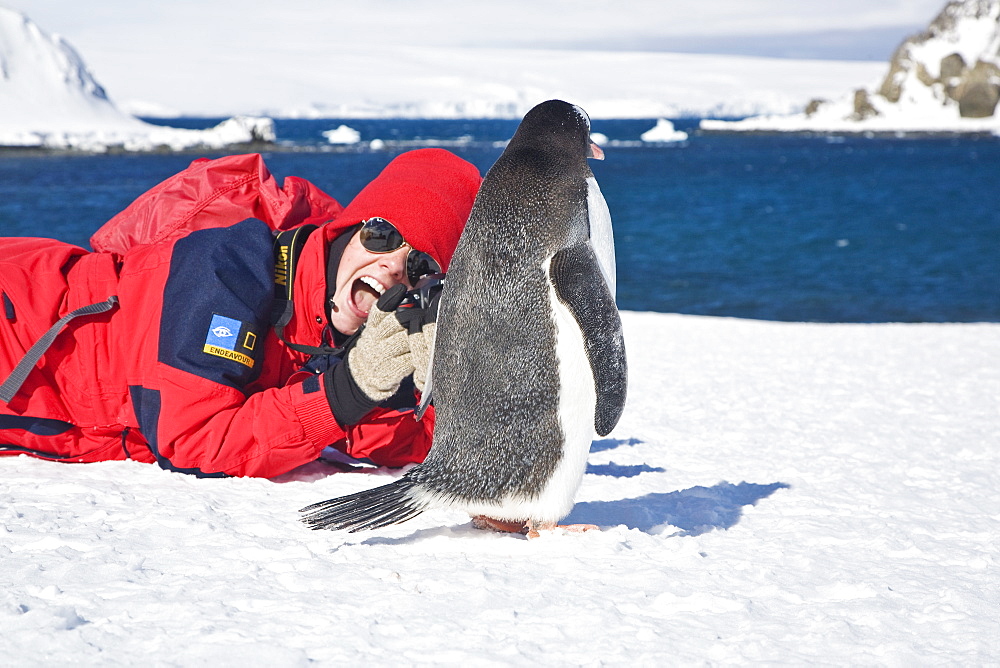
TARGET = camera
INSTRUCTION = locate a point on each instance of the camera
(424, 292)
(419, 305)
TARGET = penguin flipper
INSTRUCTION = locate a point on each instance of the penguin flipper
(601, 235)
(576, 275)
(370, 509)
(428, 393)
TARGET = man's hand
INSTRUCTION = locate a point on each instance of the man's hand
(381, 359)
(375, 366)
(421, 326)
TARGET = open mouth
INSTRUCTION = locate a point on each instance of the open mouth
(365, 292)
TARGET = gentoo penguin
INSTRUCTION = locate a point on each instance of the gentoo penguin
(529, 359)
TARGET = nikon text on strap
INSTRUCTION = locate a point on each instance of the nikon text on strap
(34, 354)
(287, 247)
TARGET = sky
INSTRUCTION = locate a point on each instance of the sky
(852, 29)
(186, 50)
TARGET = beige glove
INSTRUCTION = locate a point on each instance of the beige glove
(420, 320)
(381, 359)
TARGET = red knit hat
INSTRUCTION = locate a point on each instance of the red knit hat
(427, 194)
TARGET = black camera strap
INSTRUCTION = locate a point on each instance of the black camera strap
(287, 248)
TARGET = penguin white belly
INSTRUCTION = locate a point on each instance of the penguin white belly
(577, 403)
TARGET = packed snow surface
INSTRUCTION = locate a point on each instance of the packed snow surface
(777, 493)
(926, 116)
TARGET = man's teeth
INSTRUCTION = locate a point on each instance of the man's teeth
(373, 284)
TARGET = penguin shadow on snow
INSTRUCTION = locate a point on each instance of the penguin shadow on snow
(330, 462)
(614, 470)
(604, 444)
(694, 511)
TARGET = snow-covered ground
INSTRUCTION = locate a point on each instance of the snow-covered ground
(135, 135)
(835, 117)
(778, 493)
(442, 57)
(43, 71)
(290, 65)
(50, 97)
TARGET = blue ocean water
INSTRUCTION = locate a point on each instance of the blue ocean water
(828, 229)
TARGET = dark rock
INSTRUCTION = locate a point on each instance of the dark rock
(863, 107)
(814, 106)
(892, 85)
(951, 67)
(979, 92)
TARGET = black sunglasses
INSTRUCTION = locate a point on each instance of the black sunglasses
(378, 235)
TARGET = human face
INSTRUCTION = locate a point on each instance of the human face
(361, 278)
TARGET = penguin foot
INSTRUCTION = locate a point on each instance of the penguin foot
(529, 528)
(503, 526)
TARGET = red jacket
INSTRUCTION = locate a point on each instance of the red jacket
(185, 370)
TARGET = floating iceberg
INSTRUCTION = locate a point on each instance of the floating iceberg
(663, 131)
(342, 135)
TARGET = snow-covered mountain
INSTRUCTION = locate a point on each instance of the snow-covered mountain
(946, 78)
(398, 81)
(956, 61)
(44, 82)
(49, 98)
(338, 79)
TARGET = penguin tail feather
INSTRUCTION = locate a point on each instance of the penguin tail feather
(371, 509)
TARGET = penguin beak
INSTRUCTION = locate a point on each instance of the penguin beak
(595, 152)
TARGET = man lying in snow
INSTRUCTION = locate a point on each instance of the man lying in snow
(218, 331)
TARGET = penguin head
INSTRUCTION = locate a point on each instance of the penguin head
(559, 124)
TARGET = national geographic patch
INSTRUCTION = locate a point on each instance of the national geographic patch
(230, 339)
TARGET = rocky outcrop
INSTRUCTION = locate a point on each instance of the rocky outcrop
(956, 58)
(945, 79)
(863, 107)
(978, 91)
